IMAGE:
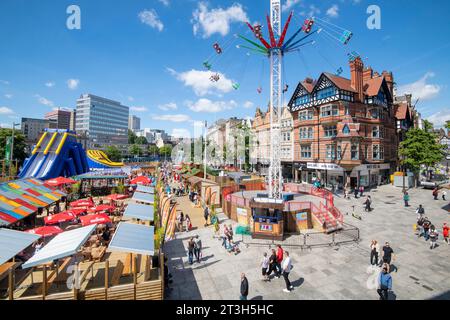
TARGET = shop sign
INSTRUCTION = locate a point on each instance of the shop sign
(302, 216)
(241, 212)
(266, 228)
(366, 167)
(325, 166)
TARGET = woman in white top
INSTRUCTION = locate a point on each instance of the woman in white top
(287, 266)
(265, 267)
(374, 252)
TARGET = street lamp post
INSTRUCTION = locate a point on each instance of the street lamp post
(12, 148)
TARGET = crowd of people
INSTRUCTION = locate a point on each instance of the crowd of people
(425, 228)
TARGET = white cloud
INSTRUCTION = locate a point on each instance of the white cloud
(50, 84)
(139, 109)
(168, 106)
(44, 101)
(172, 117)
(288, 4)
(333, 12)
(8, 96)
(165, 2)
(200, 82)
(150, 17)
(440, 118)
(209, 22)
(5, 110)
(313, 10)
(249, 105)
(72, 84)
(421, 89)
(206, 105)
(6, 125)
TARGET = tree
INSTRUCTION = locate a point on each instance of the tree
(141, 141)
(447, 126)
(131, 137)
(427, 126)
(19, 144)
(153, 150)
(135, 150)
(113, 153)
(420, 148)
(166, 151)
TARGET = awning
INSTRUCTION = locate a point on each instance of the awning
(13, 242)
(140, 211)
(63, 245)
(133, 238)
(144, 189)
(194, 180)
(144, 197)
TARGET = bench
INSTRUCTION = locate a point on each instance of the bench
(117, 273)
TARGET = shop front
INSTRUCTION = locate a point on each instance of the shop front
(267, 220)
(330, 174)
(371, 175)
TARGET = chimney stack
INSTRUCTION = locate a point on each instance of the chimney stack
(368, 74)
(388, 76)
(356, 71)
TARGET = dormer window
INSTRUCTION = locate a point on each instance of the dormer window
(346, 130)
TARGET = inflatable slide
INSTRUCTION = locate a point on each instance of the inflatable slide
(56, 154)
(99, 160)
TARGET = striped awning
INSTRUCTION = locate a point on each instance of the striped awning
(133, 238)
(20, 198)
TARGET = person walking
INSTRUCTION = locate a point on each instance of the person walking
(206, 215)
(445, 232)
(265, 267)
(420, 211)
(435, 193)
(225, 235)
(180, 221)
(346, 193)
(361, 191)
(444, 193)
(367, 204)
(426, 228)
(188, 223)
(384, 283)
(191, 247)
(198, 248)
(419, 226)
(434, 235)
(374, 252)
(356, 192)
(406, 199)
(387, 254)
(244, 287)
(280, 254)
(287, 267)
(273, 264)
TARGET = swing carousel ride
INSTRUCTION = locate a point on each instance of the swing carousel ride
(275, 48)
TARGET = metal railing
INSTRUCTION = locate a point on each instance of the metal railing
(308, 240)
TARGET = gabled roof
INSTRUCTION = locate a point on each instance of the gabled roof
(340, 82)
(373, 86)
(401, 111)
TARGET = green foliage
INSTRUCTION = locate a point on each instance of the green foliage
(420, 148)
(19, 144)
(141, 141)
(113, 153)
(447, 125)
(166, 151)
(131, 137)
(153, 150)
(120, 189)
(427, 126)
(135, 150)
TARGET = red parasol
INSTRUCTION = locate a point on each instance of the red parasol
(141, 180)
(82, 203)
(58, 218)
(116, 197)
(76, 211)
(46, 231)
(102, 207)
(60, 181)
(95, 219)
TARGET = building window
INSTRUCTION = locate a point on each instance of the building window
(355, 152)
(306, 133)
(375, 132)
(378, 152)
(302, 100)
(331, 152)
(306, 151)
(306, 115)
(325, 93)
(346, 130)
(329, 111)
(330, 131)
(339, 153)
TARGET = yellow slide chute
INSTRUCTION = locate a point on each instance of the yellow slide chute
(101, 157)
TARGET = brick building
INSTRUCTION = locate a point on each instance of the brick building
(345, 129)
(260, 151)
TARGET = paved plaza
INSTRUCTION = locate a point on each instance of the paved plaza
(341, 272)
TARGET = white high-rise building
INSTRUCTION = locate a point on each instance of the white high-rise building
(134, 123)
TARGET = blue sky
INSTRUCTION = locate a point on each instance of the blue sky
(148, 55)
